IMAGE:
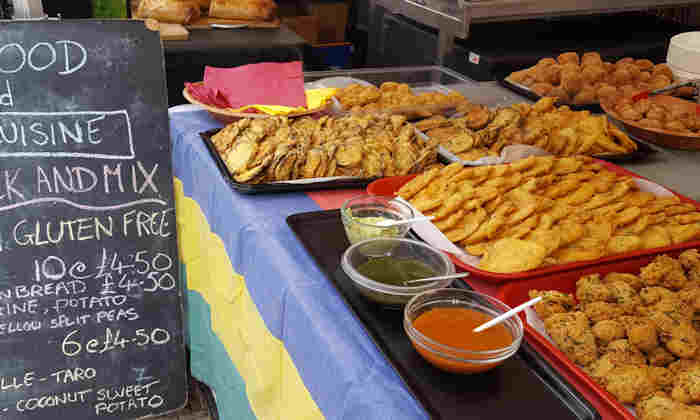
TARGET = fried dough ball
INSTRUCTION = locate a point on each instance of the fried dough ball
(664, 271)
(642, 333)
(656, 407)
(644, 76)
(593, 74)
(662, 69)
(591, 58)
(559, 92)
(568, 57)
(606, 92)
(608, 330)
(659, 81)
(592, 289)
(654, 294)
(553, 302)
(687, 388)
(690, 260)
(573, 335)
(552, 74)
(629, 90)
(624, 295)
(609, 67)
(678, 112)
(571, 82)
(656, 112)
(630, 384)
(600, 311)
(617, 353)
(684, 340)
(627, 112)
(675, 125)
(634, 281)
(626, 60)
(546, 62)
(541, 88)
(662, 377)
(643, 105)
(585, 96)
(683, 365)
(644, 64)
(621, 77)
(684, 413)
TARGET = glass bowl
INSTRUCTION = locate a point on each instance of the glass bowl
(356, 211)
(387, 294)
(458, 360)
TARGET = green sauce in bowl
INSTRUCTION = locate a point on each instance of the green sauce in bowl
(395, 271)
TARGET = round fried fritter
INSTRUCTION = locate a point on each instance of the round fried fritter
(659, 81)
(662, 69)
(585, 96)
(593, 74)
(571, 82)
(591, 58)
(608, 330)
(643, 105)
(546, 62)
(626, 60)
(568, 57)
(621, 77)
(644, 64)
(541, 88)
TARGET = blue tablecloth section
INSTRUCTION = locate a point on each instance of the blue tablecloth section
(346, 375)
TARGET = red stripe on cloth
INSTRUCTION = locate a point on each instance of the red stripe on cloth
(332, 199)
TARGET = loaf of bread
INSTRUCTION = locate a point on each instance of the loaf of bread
(243, 9)
(171, 11)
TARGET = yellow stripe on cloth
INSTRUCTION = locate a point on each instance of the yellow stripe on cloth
(273, 385)
(315, 98)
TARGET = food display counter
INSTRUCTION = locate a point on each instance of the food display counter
(269, 333)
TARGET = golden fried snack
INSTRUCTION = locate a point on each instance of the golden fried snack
(392, 95)
(607, 330)
(553, 302)
(651, 358)
(567, 76)
(281, 149)
(573, 335)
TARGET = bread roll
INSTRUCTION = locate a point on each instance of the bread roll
(243, 9)
(172, 11)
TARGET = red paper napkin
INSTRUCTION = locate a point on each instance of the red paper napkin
(252, 84)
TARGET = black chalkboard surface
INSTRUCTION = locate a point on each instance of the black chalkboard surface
(91, 311)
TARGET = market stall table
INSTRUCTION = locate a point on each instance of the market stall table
(268, 332)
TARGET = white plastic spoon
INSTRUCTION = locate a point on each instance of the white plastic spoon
(389, 223)
(507, 315)
(427, 279)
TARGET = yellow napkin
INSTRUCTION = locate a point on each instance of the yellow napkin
(315, 98)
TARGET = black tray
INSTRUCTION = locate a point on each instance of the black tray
(276, 188)
(525, 383)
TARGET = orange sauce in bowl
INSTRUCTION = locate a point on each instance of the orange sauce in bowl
(453, 327)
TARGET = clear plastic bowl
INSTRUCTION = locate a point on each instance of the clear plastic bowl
(452, 359)
(367, 205)
(386, 294)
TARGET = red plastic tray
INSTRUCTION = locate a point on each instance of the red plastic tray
(515, 293)
(389, 186)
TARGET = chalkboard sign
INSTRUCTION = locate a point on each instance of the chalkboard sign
(91, 319)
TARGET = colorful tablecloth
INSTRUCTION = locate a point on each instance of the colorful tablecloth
(267, 332)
